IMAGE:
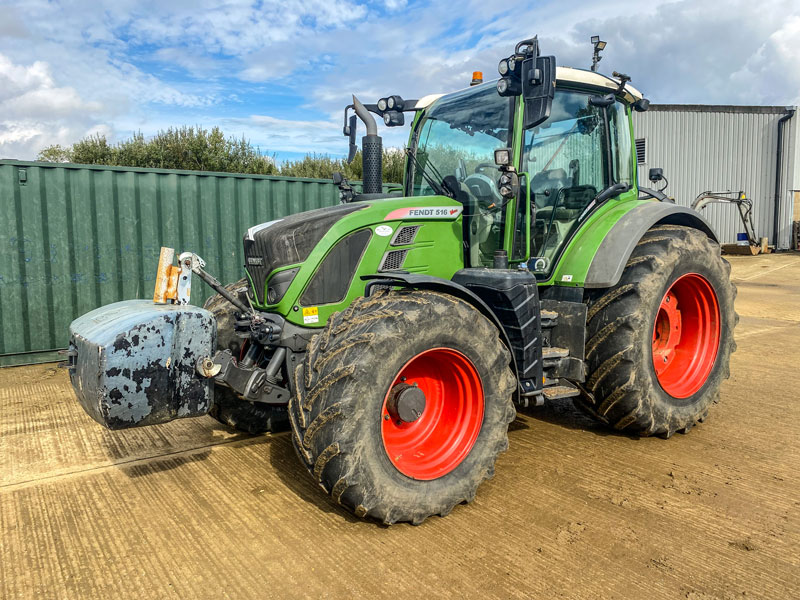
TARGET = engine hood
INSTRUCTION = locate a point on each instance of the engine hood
(288, 241)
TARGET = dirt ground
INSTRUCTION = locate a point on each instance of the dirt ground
(191, 510)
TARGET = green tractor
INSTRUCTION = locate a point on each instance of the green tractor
(396, 334)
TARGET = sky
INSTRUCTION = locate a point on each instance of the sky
(279, 73)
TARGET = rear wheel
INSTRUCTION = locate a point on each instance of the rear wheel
(659, 342)
(403, 405)
(228, 408)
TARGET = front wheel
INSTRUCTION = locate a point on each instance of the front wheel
(659, 342)
(403, 405)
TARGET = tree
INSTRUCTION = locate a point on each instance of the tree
(199, 149)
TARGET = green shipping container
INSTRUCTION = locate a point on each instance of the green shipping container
(75, 237)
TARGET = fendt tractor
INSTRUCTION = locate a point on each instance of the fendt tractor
(397, 333)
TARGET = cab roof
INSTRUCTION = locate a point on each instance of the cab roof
(568, 75)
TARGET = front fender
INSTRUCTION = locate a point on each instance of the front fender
(437, 284)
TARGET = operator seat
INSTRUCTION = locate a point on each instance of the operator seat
(545, 186)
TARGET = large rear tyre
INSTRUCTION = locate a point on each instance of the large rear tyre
(659, 342)
(228, 408)
(403, 404)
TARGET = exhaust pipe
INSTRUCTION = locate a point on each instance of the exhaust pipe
(371, 151)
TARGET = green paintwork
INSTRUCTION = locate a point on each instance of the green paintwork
(436, 250)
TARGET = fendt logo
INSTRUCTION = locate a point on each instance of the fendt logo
(425, 212)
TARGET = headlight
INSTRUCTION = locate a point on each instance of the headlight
(502, 85)
(382, 104)
(502, 67)
(390, 102)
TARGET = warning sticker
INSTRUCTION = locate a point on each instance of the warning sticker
(425, 212)
(311, 315)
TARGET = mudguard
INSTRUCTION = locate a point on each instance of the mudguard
(614, 251)
(437, 284)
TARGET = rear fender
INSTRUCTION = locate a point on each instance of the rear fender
(616, 248)
(597, 254)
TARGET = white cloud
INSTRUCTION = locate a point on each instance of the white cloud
(34, 111)
(147, 64)
(774, 66)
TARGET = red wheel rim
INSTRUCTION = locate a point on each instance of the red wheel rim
(443, 435)
(686, 335)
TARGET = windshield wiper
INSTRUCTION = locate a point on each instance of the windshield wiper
(441, 189)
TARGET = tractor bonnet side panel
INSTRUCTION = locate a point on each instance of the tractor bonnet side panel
(133, 362)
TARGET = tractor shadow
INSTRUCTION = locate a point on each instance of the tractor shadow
(563, 413)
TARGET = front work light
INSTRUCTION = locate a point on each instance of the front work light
(393, 118)
(382, 104)
(502, 157)
(394, 103)
(508, 86)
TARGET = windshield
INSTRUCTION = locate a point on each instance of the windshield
(457, 137)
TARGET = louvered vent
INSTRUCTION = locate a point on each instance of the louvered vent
(393, 260)
(641, 150)
(405, 235)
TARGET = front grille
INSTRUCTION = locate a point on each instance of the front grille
(393, 260)
(405, 235)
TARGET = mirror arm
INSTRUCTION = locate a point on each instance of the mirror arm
(611, 191)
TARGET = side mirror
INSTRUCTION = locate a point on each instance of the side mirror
(641, 105)
(538, 89)
(655, 174)
(351, 132)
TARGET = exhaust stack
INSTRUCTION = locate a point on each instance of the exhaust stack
(371, 151)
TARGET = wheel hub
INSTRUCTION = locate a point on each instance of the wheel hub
(686, 335)
(667, 333)
(432, 413)
(406, 403)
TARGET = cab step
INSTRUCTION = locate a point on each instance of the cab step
(557, 392)
(549, 318)
(553, 352)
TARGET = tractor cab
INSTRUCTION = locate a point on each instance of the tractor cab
(568, 142)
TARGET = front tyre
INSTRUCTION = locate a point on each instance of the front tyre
(403, 405)
(659, 342)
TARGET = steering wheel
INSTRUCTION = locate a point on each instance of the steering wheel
(481, 166)
(483, 187)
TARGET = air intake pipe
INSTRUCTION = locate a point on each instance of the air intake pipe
(371, 151)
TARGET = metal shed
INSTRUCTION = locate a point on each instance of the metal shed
(708, 147)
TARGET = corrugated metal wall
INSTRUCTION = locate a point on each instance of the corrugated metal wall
(75, 237)
(724, 148)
